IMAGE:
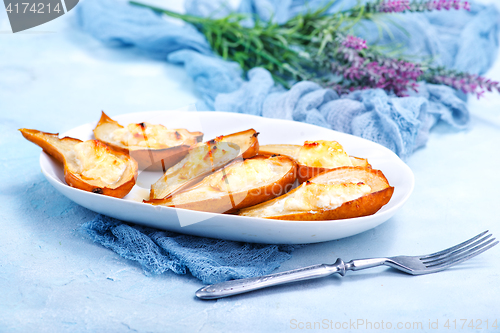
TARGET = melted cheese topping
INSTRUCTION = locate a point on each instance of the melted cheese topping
(315, 197)
(241, 176)
(146, 135)
(326, 154)
(204, 158)
(237, 177)
(96, 162)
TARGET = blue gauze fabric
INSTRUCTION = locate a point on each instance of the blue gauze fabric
(457, 39)
(210, 260)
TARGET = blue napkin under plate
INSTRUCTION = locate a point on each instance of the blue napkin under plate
(210, 260)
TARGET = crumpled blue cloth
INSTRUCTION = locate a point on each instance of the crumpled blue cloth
(460, 39)
(210, 260)
(457, 39)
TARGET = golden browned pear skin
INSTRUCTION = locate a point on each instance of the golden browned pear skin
(151, 158)
(304, 172)
(204, 159)
(368, 204)
(63, 151)
(221, 193)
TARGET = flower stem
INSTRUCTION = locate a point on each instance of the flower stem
(314, 45)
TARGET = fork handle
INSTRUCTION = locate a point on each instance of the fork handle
(240, 286)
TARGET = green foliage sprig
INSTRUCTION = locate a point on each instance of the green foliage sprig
(318, 46)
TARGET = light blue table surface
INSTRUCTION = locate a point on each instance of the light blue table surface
(54, 279)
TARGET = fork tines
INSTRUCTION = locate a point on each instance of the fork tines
(459, 253)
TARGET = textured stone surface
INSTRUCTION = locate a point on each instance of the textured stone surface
(53, 279)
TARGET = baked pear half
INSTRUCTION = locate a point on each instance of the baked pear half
(88, 165)
(315, 157)
(341, 193)
(203, 159)
(240, 184)
(154, 147)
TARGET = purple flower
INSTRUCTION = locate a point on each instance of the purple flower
(400, 6)
(364, 70)
(354, 42)
(360, 72)
(394, 6)
(467, 83)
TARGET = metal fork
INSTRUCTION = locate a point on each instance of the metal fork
(415, 265)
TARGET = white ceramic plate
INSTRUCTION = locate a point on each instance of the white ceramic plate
(232, 227)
